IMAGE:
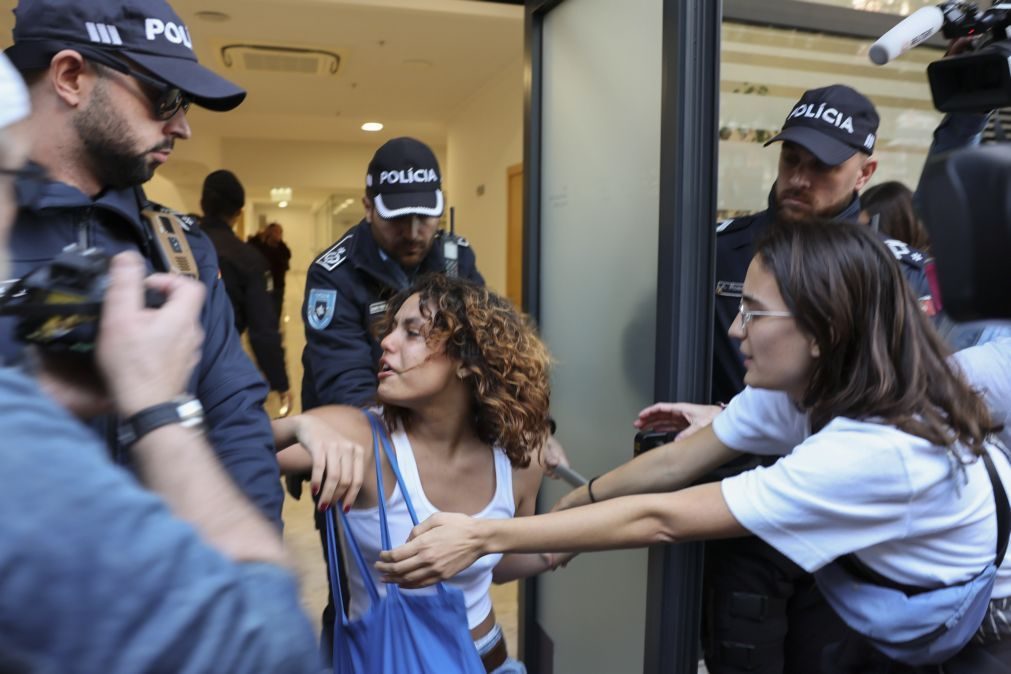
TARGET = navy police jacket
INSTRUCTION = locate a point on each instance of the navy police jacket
(735, 246)
(346, 291)
(53, 215)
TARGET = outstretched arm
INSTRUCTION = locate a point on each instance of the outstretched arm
(326, 442)
(445, 544)
(666, 468)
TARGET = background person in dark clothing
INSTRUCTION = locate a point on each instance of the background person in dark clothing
(888, 207)
(270, 243)
(245, 275)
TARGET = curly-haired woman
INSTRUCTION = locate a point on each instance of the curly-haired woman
(463, 385)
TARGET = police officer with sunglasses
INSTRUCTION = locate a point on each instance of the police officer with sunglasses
(111, 82)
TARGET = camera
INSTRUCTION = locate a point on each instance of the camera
(647, 440)
(59, 304)
(978, 81)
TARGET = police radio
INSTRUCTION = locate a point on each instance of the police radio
(170, 242)
(451, 247)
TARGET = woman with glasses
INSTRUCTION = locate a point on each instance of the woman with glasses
(879, 439)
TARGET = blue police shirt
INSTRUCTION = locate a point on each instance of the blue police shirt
(97, 575)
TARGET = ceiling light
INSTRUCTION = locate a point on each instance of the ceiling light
(280, 196)
(372, 126)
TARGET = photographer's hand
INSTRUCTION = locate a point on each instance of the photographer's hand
(147, 355)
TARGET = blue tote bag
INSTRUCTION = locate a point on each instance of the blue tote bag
(401, 633)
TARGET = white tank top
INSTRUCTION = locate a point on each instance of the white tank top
(473, 581)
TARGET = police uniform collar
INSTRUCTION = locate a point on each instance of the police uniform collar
(364, 255)
(54, 194)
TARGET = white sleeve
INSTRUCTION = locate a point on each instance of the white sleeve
(844, 489)
(760, 421)
(988, 369)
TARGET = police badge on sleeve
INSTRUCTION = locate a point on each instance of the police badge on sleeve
(321, 305)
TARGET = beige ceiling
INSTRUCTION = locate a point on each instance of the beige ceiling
(410, 64)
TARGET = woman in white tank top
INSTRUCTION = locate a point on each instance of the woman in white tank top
(463, 390)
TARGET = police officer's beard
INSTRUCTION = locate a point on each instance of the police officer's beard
(109, 147)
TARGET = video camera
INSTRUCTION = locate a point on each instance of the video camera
(59, 304)
(978, 81)
(963, 197)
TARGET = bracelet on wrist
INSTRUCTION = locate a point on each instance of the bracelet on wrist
(184, 410)
(589, 489)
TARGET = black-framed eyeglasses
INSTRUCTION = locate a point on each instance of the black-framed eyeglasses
(168, 99)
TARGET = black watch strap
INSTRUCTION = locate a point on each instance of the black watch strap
(184, 410)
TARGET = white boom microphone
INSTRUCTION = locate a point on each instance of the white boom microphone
(918, 27)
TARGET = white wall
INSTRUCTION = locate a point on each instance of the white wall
(485, 138)
(307, 166)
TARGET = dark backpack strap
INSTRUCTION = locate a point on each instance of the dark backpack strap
(852, 564)
(856, 568)
(1001, 504)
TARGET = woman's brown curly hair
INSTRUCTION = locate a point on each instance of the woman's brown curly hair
(499, 346)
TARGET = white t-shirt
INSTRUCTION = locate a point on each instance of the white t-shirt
(891, 497)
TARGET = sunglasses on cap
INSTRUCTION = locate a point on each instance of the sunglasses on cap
(168, 99)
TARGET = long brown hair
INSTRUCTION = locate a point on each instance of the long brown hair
(892, 202)
(508, 363)
(880, 359)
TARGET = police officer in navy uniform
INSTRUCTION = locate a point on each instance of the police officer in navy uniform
(349, 284)
(761, 612)
(111, 82)
(246, 276)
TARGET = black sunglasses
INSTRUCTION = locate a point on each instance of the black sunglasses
(168, 99)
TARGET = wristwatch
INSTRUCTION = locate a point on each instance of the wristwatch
(184, 410)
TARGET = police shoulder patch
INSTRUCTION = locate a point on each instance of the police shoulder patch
(905, 253)
(320, 307)
(335, 255)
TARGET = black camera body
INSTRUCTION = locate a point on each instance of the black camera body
(981, 80)
(647, 440)
(59, 304)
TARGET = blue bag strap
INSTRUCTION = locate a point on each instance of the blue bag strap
(379, 437)
(333, 557)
